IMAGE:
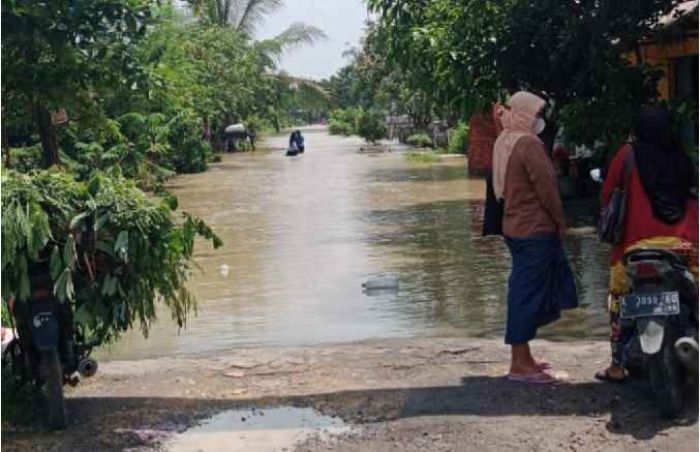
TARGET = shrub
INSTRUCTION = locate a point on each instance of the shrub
(459, 143)
(422, 157)
(25, 158)
(371, 125)
(421, 140)
(243, 146)
(189, 153)
(340, 128)
(342, 122)
(112, 252)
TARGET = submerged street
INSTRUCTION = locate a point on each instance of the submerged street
(301, 234)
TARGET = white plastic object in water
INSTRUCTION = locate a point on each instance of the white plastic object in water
(235, 128)
(224, 270)
(381, 282)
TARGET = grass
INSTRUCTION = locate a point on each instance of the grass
(422, 157)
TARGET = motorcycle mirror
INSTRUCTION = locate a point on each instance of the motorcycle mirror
(596, 175)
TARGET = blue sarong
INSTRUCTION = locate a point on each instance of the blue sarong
(540, 286)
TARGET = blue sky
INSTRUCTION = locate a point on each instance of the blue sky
(343, 22)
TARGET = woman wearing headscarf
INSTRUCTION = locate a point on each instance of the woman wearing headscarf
(661, 211)
(541, 283)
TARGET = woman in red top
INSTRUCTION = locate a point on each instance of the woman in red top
(661, 212)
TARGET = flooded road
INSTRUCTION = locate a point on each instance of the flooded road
(301, 234)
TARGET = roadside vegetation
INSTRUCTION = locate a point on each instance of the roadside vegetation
(449, 59)
(105, 100)
(368, 124)
(422, 157)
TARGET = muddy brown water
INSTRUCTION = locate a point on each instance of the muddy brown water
(302, 233)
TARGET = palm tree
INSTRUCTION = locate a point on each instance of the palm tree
(245, 15)
(242, 15)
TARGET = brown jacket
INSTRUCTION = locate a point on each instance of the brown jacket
(532, 203)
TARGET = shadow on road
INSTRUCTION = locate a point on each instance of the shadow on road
(115, 423)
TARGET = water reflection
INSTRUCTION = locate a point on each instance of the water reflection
(302, 233)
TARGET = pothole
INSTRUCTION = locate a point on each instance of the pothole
(252, 430)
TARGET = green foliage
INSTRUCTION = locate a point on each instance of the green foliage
(420, 140)
(459, 142)
(5, 319)
(373, 81)
(24, 158)
(147, 92)
(422, 157)
(340, 128)
(189, 153)
(462, 56)
(371, 125)
(112, 253)
(152, 97)
(343, 122)
(61, 54)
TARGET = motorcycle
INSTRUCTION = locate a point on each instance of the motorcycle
(662, 309)
(49, 350)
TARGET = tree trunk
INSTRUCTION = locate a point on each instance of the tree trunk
(276, 122)
(207, 131)
(47, 134)
(6, 148)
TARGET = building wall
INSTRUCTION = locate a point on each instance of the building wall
(482, 136)
(662, 56)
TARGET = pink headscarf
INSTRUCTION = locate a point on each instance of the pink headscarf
(518, 118)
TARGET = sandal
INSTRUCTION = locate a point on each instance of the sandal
(604, 375)
(533, 378)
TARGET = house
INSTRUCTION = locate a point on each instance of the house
(675, 53)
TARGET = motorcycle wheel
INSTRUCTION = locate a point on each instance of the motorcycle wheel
(52, 389)
(666, 380)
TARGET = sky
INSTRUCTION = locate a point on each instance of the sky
(343, 22)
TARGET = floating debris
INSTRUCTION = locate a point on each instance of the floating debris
(381, 282)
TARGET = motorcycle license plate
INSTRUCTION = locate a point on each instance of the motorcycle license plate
(650, 304)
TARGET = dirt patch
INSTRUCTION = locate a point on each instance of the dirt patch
(408, 394)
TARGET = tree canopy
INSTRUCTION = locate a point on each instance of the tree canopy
(103, 99)
(463, 55)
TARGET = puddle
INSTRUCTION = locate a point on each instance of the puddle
(252, 430)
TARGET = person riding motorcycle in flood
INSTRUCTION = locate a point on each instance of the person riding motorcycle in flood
(296, 141)
(662, 212)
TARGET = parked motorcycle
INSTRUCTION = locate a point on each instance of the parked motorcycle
(662, 307)
(49, 350)
(662, 310)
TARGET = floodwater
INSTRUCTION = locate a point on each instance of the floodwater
(301, 234)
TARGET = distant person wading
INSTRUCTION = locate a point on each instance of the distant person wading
(541, 283)
(296, 141)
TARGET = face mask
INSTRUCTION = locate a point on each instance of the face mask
(539, 126)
